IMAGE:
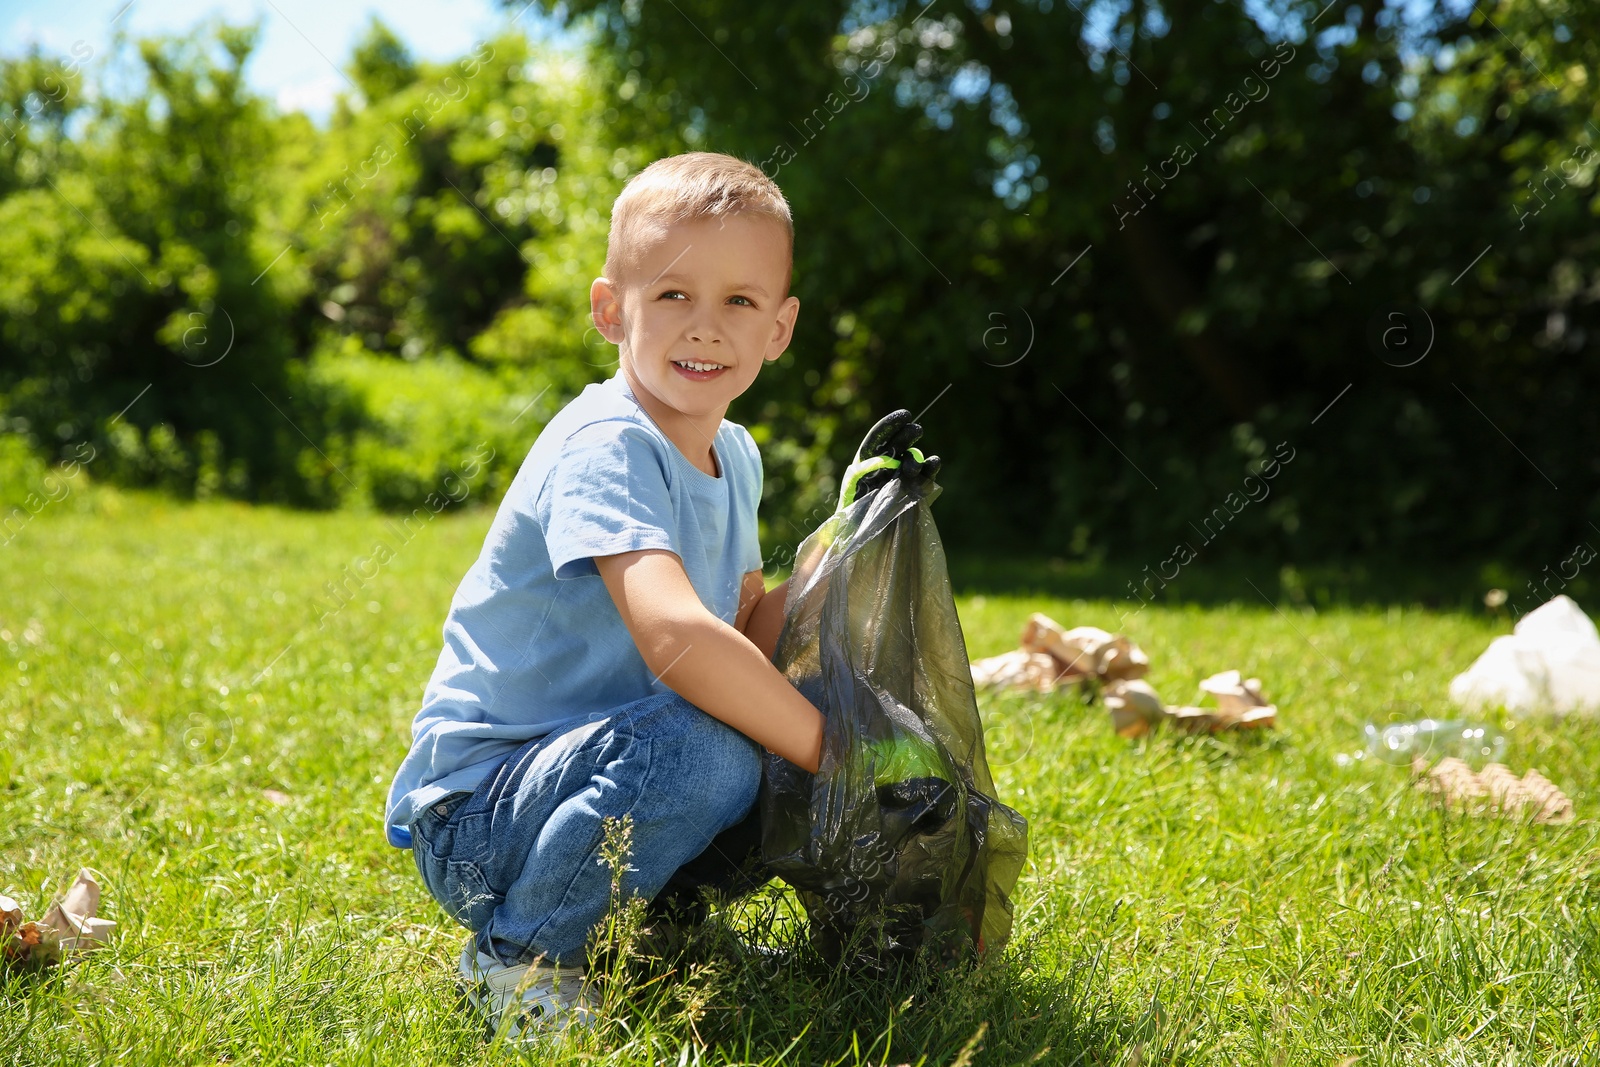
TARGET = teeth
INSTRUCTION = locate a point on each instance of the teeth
(698, 366)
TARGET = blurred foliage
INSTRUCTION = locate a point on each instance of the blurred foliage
(425, 427)
(949, 165)
(333, 316)
(1124, 253)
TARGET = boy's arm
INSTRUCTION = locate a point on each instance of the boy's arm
(707, 661)
(761, 612)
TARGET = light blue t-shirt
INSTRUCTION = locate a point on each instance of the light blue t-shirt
(533, 642)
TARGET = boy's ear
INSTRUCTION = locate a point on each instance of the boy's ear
(606, 309)
(783, 329)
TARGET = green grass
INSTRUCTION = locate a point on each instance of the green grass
(1187, 900)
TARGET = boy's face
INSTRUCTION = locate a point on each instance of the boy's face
(701, 305)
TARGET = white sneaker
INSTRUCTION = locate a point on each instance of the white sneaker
(526, 999)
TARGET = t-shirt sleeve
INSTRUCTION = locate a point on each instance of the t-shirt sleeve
(750, 550)
(606, 493)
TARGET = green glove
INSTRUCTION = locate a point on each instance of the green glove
(901, 759)
(886, 453)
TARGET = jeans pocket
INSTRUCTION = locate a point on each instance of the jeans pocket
(465, 895)
(448, 845)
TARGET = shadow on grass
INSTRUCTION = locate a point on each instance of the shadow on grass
(749, 988)
(1130, 582)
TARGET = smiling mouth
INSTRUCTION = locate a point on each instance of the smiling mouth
(697, 365)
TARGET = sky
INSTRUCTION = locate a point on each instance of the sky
(301, 41)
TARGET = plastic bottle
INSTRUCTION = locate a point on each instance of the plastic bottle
(1434, 739)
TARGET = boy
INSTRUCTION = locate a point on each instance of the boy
(609, 653)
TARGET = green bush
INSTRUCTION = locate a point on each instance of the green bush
(408, 432)
(353, 314)
(29, 486)
(356, 324)
(21, 471)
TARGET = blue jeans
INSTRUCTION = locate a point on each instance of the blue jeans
(517, 861)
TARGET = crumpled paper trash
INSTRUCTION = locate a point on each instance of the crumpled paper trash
(68, 927)
(1493, 790)
(1135, 707)
(1240, 705)
(1050, 657)
(1085, 650)
(1549, 662)
(1019, 669)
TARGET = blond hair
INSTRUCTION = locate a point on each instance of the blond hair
(694, 185)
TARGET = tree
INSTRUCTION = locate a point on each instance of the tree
(1202, 218)
(382, 65)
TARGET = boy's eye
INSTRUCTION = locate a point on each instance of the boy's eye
(673, 294)
(745, 300)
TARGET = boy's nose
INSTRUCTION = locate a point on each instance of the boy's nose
(703, 330)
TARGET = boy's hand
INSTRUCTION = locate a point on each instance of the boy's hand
(886, 452)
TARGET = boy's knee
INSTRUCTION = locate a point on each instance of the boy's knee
(720, 766)
(731, 762)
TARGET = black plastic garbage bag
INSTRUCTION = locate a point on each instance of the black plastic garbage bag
(897, 842)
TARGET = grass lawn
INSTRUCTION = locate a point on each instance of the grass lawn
(1187, 900)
